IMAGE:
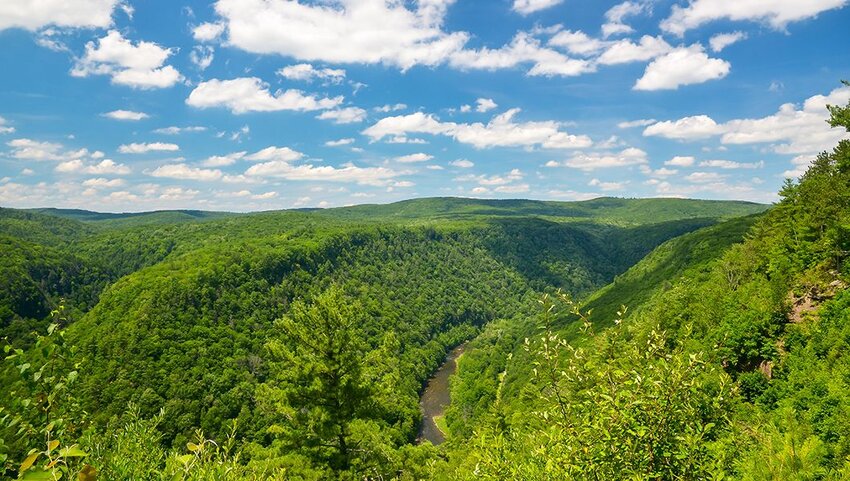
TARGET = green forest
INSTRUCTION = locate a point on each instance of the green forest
(628, 339)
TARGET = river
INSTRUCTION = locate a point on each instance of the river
(437, 397)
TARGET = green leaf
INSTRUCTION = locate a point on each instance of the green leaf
(28, 462)
(72, 452)
(40, 475)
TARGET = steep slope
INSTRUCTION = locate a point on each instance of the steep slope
(735, 368)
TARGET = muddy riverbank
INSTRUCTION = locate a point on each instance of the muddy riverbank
(437, 397)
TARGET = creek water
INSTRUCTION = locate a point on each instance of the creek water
(436, 398)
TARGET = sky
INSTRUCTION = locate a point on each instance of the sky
(246, 105)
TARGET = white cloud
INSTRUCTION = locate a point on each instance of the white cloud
(730, 164)
(681, 161)
(723, 40)
(185, 172)
(101, 182)
(138, 66)
(485, 105)
(336, 31)
(462, 163)
(578, 42)
(682, 66)
(339, 142)
(28, 149)
(173, 130)
(608, 186)
(792, 130)
(34, 15)
(104, 167)
(636, 123)
(523, 49)
(526, 7)
(704, 177)
(390, 108)
(272, 153)
(348, 115)
(687, 128)
(617, 14)
(501, 131)
(776, 13)
(345, 173)
(411, 158)
(223, 160)
(306, 72)
(141, 148)
(596, 160)
(126, 115)
(202, 56)
(626, 51)
(250, 94)
(5, 128)
(207, 32)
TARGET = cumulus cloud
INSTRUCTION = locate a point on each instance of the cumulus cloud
(281, 154)
(682, 66)
(348, 115)
(792, 130)
(336, 31)
(250, 94)
(141, 148)
(411, 158)
(523, 49)
(186, 172)
(223, 160)
(597, 160)
(102, 182)
(345, 173)
(526, 7)
(139, 65)
(28, 149)
(103, 167)
(626, 51)
(577, 42)
(776, 13)
(485, 105)
(615, 17)
(704, 177)
(722, 40)
(306, 72)
(501, 131)
(207, 32)
(126, 115)
(462, 163)
(687, 128)
(681, 161)
(34, 15)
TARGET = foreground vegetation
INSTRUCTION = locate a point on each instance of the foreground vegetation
(293, 345)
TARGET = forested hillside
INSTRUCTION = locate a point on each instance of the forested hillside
(189, 318)
(730, 363)
(293, 345)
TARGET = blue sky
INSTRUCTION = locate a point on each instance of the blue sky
(249, 105)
